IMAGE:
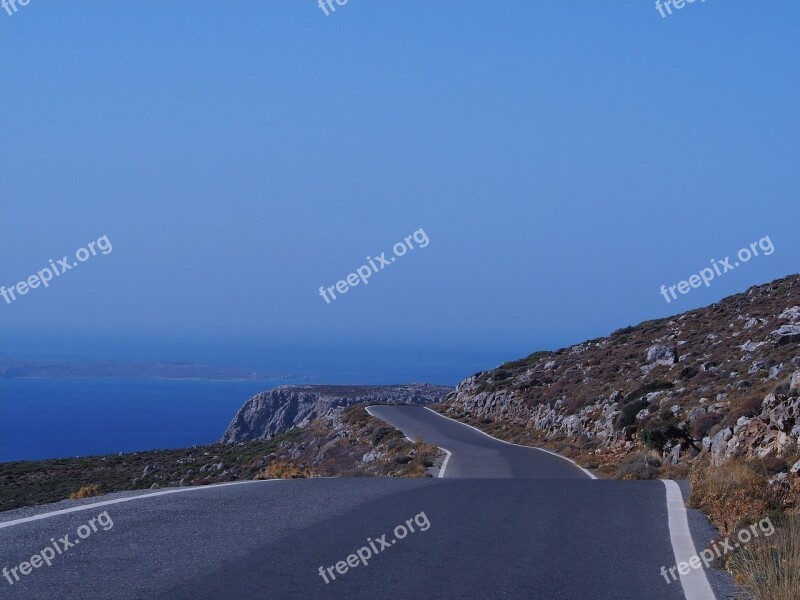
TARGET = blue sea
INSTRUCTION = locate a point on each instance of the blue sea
(58, 418)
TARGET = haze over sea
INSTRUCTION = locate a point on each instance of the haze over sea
(57, 418)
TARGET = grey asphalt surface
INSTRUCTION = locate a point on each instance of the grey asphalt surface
(560, 537)
(475, 454)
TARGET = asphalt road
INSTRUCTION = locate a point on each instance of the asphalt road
(564, 536)
(473, 453)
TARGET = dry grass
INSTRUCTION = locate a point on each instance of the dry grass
(284, 470)
(769, 568)
(732, 494)
(86, 491)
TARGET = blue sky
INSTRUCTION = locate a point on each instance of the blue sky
(565, 159)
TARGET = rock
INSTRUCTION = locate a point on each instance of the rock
(696, 413)
(675, 409)
(659, 354)
(795, 470)
(155, 486)
(674, 455)
(751, 346)
(786, 334)
(795, 385)
(369, 457)
(791, 314)
(779, 479)
(750, 323)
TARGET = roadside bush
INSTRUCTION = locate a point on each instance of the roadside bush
(86, 491)
(638, 466)
(730, 494)
(284, 470)
(769, 567)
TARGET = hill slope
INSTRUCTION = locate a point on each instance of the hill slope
(724, 379)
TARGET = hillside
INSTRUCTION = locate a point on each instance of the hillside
(723, 380)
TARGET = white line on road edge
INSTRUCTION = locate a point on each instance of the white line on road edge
(513, 444)
(82, 507)
(695, 584)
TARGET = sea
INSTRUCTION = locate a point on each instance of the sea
(60, 418)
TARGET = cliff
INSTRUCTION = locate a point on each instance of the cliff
(287, 406)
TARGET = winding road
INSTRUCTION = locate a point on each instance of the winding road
(503, 522)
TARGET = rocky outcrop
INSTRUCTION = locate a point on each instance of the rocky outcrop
(288, 406)
(774, 431)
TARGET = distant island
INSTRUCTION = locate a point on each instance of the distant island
(37, 369)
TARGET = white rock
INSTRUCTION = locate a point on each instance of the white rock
(791, 314)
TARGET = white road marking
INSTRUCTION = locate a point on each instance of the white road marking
(444, 464)
(83, 507)
(695, 584)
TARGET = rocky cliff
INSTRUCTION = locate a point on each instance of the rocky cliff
(287, 406)
(724, 379)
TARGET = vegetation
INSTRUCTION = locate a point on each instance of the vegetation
(318, 450)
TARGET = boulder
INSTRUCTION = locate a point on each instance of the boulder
(658, 354)
(786, 334)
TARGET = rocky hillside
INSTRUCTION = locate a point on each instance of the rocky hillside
(287, 406)
(724, 379)
(345, 442)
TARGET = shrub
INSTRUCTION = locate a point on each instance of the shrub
(284, 470)
(638, 466)
(749, 407)
(627, 417)
(732, 493)
(86, 491)
(657, 436)
(769, 567)
(704, 423)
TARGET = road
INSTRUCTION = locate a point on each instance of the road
(517, 536)
(473, 453)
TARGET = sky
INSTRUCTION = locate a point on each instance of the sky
(565, 159)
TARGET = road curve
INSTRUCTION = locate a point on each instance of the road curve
(475, 454)
(535, 527)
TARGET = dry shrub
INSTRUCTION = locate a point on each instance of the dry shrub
(86, 491)
(730, 494)
(284, 470)
(679, 471)
(638, 466)
(769, 568)
(607, 471)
